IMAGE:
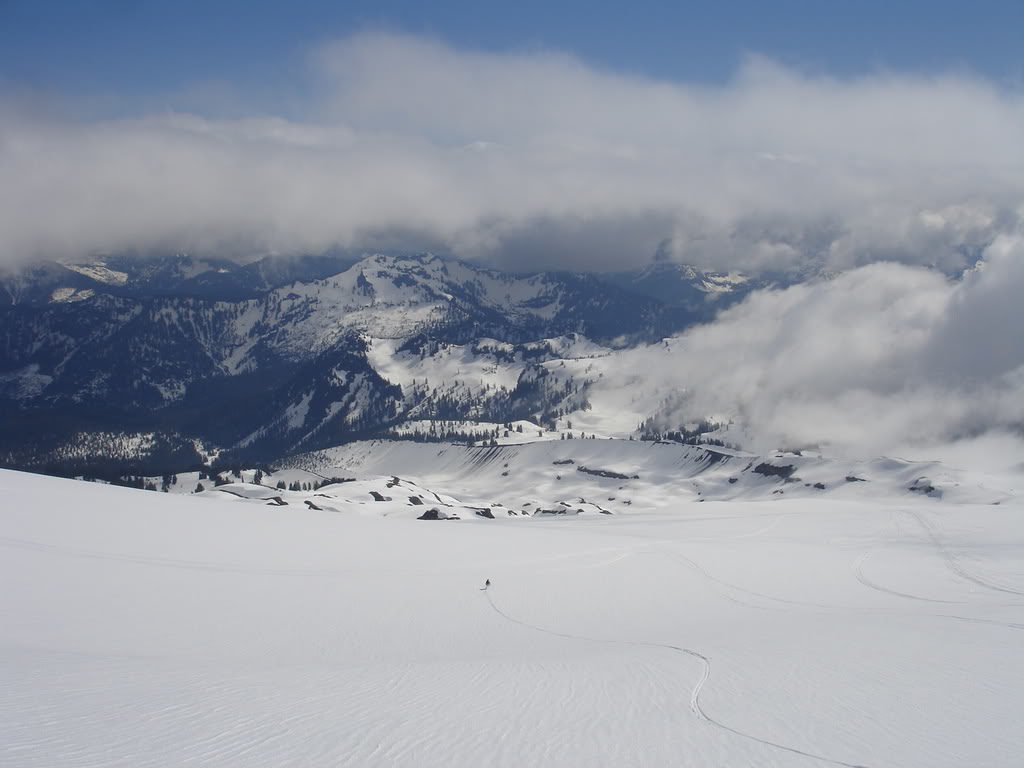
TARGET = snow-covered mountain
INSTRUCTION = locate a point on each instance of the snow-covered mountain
(174, 275)
(148, 355)
(683, 285)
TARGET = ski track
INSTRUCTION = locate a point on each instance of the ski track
(858, 572)
(751, 534)
(858, 568)
(694, 565)
(695, 704)
(953, 562)
(821, 607)
(970, 619)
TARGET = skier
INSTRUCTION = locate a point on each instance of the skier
(487, 584)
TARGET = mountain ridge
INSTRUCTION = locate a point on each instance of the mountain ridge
(295, 367)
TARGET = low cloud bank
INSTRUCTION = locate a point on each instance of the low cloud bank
(536, 160)
(885, 358)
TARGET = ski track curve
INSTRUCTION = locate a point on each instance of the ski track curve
(858, 572)
(694, 565)
(784, 605)
(695, 704)
(953, 562)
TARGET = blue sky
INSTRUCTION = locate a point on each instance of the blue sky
(142, 53)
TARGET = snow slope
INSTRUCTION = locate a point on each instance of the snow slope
(654, 475)
(864, 624)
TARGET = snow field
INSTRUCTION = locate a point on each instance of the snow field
(869, 625)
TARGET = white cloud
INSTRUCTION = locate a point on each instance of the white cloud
(883, 358)
(533, 160)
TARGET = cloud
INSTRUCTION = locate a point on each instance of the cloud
(533, 160)
(883, 358)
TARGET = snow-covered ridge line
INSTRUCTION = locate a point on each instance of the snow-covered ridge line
(554, 477)
(637, 475)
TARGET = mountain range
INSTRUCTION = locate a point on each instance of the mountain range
(133, 364)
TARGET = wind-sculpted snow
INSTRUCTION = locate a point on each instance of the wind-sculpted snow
(859, 625)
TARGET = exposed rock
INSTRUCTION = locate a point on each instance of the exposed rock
(606, 473)
(922, 485)
(774, 470)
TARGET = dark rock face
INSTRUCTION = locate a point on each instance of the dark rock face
(606, 473)
(922, 485)
(773, 470)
